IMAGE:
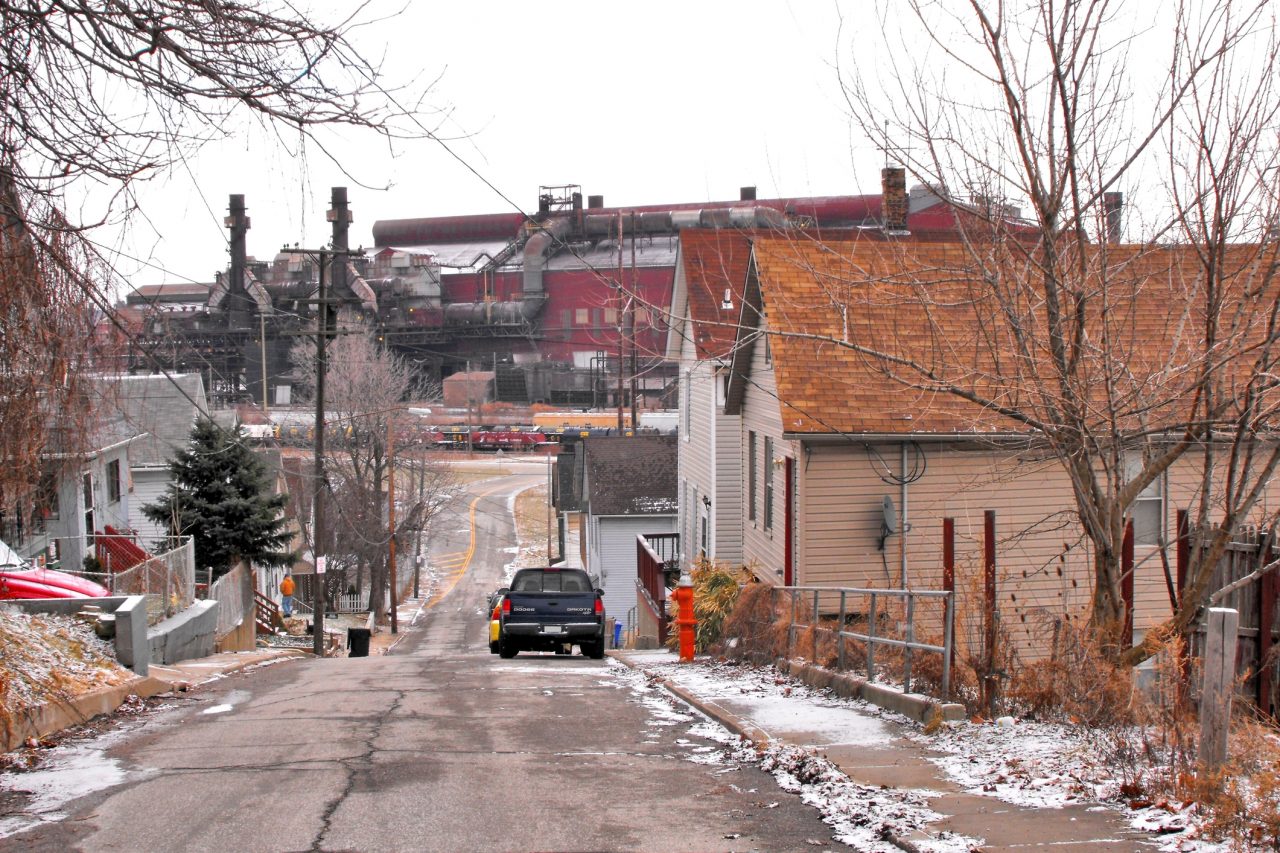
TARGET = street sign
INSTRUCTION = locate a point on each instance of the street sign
(320, 561)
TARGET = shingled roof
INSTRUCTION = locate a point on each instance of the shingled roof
(632, 475)
(865, 333)
(714, 262)
(161, 407)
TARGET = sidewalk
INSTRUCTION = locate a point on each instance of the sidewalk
(875, 750)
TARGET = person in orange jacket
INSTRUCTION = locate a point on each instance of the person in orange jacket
(286, 595)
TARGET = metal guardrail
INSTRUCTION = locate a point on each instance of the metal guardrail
(871, 638)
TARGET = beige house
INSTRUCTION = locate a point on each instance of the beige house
(849, 464)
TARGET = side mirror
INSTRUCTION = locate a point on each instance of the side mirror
(600, 591)
(503, 591)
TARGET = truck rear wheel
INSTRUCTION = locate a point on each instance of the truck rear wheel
(594, 650)
(506, 649)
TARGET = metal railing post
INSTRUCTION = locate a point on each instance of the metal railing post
(791, 625)
(840, 634)
(871, 643)
(911, 638)
(814, 628)
(948, 639)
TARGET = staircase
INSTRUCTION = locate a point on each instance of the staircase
(266, 614)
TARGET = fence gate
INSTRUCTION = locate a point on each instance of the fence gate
(1257, 660)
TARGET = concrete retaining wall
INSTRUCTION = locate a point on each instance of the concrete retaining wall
(185, 635)
(132, 649)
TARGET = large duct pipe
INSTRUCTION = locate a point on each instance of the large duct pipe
(660, 222)
(827, 211)
(237, 297)
(536, 251)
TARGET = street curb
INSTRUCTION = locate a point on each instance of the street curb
(738, 726)
(38, 721)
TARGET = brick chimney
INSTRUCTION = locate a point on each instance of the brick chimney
(893, 202)
(1113, 209)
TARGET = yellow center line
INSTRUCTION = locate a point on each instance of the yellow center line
(457, 573)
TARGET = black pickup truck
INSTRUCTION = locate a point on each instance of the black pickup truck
(551, 610)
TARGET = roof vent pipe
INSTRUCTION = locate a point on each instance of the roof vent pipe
(747, 194)
(1113, 208)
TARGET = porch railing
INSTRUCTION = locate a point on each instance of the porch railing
(657, 559)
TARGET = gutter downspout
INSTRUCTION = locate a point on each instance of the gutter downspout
(902, 521)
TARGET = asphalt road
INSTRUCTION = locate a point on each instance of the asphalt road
(437, 746)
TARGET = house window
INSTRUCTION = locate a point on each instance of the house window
(751, 476)
(1147, 510)
(47, 497)
(113, 481)
(768, 483)
(768, 350)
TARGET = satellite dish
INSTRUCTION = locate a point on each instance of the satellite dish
(890, 516)
(889, 523)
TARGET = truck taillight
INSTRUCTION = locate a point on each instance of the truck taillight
(496, 613)
(599, 606)
(506, 607)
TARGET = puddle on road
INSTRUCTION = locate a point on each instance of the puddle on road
(67, 773)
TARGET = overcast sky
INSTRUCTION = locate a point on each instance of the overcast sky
(641, 103)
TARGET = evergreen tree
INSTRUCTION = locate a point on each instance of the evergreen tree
(219, 493)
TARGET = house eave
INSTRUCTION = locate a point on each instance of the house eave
(831, 438)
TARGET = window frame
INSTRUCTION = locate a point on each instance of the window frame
(752, 473)
(768, 482)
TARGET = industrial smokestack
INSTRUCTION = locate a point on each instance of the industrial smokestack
(1113, 208)
(237, 297)
(747, 194)
(595, 202)
(340, 215)
(893, 200)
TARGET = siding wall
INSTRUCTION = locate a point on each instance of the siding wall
(727, 508)
(760, 412)
(617, 541)
(1044, 566)
(148, 486)
(696, 447)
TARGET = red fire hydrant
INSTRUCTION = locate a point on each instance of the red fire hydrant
(683, 596)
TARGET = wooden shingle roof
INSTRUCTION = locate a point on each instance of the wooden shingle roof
(633, 475)
(715, 262)
(865, 334)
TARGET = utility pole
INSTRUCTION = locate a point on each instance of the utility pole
(631, 322)
(621, 307)
(340, 216)
(323, 330)
(417, 548)
(391, 517)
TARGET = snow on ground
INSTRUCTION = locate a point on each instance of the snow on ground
(1030, 764)
(50, 658)
(860, 816)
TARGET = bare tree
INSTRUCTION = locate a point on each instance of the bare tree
(96, 96)
(366, 386)
(1053, 109)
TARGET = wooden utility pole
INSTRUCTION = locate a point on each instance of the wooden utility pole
(323, 330)
(621, 307)
(391, 517)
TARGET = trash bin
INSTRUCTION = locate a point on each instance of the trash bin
(358, 642)
(617, 635)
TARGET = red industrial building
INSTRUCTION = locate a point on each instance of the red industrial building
(552, 303)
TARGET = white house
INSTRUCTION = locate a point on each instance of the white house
(629, 489)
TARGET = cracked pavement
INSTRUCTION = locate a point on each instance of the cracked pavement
(437, 746)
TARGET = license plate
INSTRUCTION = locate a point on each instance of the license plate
(553, 629)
